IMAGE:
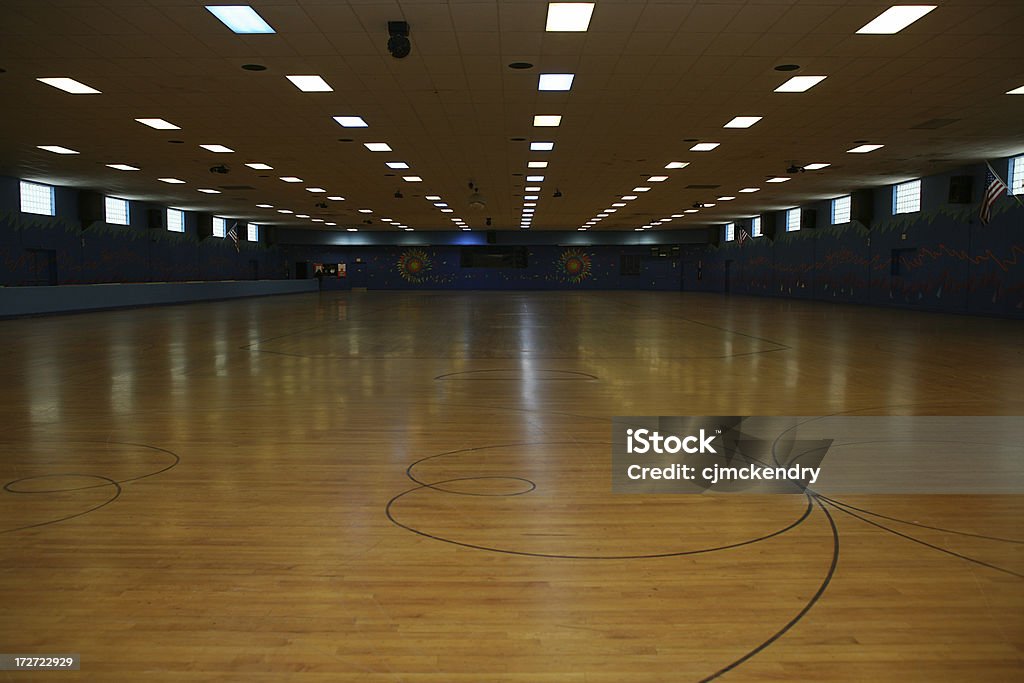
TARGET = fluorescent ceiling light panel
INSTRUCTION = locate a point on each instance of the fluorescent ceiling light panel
(537, 164)
(619, 205)
(365, 210)
(447, 210)
(531, 197)
(318, 220)
(412, 179)
(549, 121)
(532, 188)
(377, 146)
(396, 164)
(641, 189)
(315, 189)
(690, 211)
(302, 215)
(657, 179)
(548, 146)
(219, 149)
(704, 146)
(310, 83)
(1016, 91)
(432, 198)
(336, 198)
(726, 198)
(257, 166)
(560, 82)
(778, 179)
(240, 18)
(815, 167)
(677, 164)
(743, 122)
(569, 16)
(352, 229)
(351, 122)
(864, 149)
(628, 197)
(171, 181)
(895, 19)
(750, 189)
(291, 179)
(69, 85)
(208, 190)
(329, 223)
(535, 179)
(800, 83)
(159, 124)
(265, 206)
(285, 211)
(122, 167)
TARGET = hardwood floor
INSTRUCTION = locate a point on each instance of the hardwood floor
(276, 489)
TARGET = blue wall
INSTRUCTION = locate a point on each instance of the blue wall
(113, 253)
(946, 259)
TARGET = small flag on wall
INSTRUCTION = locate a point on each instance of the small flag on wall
(233, 234)
(744, 236)
(994, 186)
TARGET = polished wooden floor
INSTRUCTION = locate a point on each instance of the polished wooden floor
(235, 491)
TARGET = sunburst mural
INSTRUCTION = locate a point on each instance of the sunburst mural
(413, 265)
(574, 266)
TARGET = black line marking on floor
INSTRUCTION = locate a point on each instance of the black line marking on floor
(807, 608)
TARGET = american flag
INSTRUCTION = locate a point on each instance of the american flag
(744, 236)
(233, 234)
(994, 186)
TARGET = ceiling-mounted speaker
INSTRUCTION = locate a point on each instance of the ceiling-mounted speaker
(398, 40)
(91, 208)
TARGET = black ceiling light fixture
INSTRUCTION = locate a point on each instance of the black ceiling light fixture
(254, 67)
(520, 65)
(788, 67)
(398, 43)
(399, 195)
(557, 194)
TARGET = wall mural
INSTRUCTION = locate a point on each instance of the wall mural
(573, 266)
(414, 265)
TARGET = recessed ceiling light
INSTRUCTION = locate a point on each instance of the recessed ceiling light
(581, 229)
(285, 211)
(447, 210)
(329, 223)
(219, 149)
(122, 167)
(531, 197)
(690, 211)
(260, 167)
(743, 122)
(569, 16)
(396, 164)
(529, 211)
(800, 83)
(336, 198)
(628, 197)
(555, 82)
(657, 179)
(895, 19)
(1016, 91)
(778, 179)
(377, 146)
(677, 164)
(365, 210)
(704, 146)
(532, 188)
(707, 205)
(638, 229)
(535, 179)
(302, 215)
(351, 122)
(537, 164)
(310, 83)
(677, 215)
(726, 198)
(547, 120)
(602, 215)
(815, 167)
(864, 149)
(641, 189)
(750, 189)
(159, 124)
(291, 179)
(441, 204)
(69, 85)
(171, 181)
(318, 220)
(432, 198)
(548, 146)
(412, 179)
(315, 189)
(352, 229)
(619, 205)
(265, 206)
(240, 18)
(207, 190)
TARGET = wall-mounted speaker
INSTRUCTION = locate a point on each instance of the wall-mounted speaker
(961, 189)
(862, 207)
(204, 225)
(91, 208)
